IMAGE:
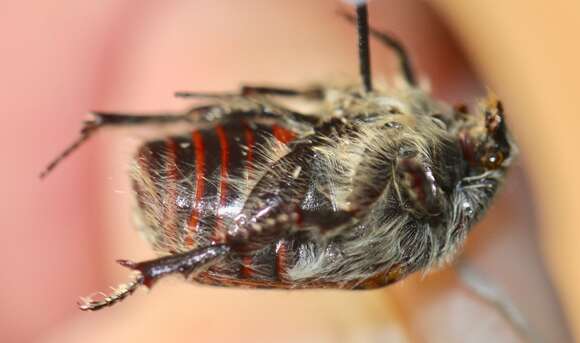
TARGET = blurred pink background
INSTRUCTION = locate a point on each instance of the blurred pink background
(61, 236)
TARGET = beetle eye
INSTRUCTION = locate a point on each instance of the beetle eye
(493, 159)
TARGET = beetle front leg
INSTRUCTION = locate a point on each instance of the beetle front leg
(188, 263)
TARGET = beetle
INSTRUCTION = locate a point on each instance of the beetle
(378, 183)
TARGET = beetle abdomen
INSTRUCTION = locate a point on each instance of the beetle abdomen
(189, 187)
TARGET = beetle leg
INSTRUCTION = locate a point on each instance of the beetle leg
(420, 185)
(195, 116)
(105, 119)
(314, 93)
(188, 263)
(272, 210)
(393, 43)
(261, 107)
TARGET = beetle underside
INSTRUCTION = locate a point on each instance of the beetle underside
(377, 184)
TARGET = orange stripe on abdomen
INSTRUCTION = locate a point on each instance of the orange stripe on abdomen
(224, 153)
(199, 150)
(219, 233)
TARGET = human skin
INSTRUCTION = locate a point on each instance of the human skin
(146, 50)
(530, 55)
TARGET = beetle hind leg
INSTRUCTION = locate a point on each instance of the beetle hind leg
(148, 272)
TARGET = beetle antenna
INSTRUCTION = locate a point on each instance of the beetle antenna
(363, 46)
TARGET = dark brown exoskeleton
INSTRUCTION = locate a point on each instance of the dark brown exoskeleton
(377, 184)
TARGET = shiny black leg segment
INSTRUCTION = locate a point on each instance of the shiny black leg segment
(363, 46)
(314, 93)
(185, 263)
(270, 111)
(118, 119)
(398, 48)
(151, 271)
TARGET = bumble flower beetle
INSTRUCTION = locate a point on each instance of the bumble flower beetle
(375, 185)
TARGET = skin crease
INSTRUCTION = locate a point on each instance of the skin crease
(142, 52)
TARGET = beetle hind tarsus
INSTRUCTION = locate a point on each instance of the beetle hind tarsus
(148, 272)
